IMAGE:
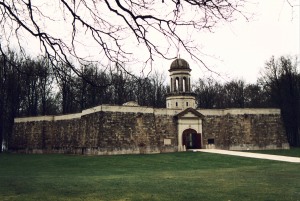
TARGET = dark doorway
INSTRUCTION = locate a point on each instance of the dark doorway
(191, 139)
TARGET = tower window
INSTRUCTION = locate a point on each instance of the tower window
(176, 104)
(187, 103)
(176, 84)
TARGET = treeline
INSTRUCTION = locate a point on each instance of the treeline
(32, 87)
(234, 94)
(277, 87)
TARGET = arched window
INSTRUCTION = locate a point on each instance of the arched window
(183, 84)
(176, 84)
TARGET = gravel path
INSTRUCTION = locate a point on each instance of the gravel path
(252, 155)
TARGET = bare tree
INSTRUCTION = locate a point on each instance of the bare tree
(234, 92)
(210, 94)
(294, 4)
(281, 79)
(81, 31)
(255, 96)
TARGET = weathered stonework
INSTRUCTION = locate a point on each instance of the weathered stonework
(245, 131)
(101, 132)
(106, 130)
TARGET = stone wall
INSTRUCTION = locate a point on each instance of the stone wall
(101, 132)
(105, 130)
(244, 131)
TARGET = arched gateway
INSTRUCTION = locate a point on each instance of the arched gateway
(191, 139)
(189, 123)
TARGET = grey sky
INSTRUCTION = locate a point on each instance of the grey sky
(240, 49)
(236, 50)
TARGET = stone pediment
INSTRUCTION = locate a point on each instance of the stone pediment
(190, 113)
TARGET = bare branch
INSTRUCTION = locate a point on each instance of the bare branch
(113, 31)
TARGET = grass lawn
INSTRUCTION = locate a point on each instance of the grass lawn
(175, 176)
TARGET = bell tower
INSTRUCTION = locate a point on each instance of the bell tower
(180, 96)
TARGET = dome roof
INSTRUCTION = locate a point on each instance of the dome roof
(179, 64)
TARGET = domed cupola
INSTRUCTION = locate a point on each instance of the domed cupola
(179, 64)
(180, 95)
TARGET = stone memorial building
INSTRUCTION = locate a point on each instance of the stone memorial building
(132, 129)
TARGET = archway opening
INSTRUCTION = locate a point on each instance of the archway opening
(176, 84)
(184, 84)
(191, 139)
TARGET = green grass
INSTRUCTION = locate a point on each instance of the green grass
(175, 176)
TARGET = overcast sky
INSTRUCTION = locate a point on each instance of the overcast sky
(240, 49)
